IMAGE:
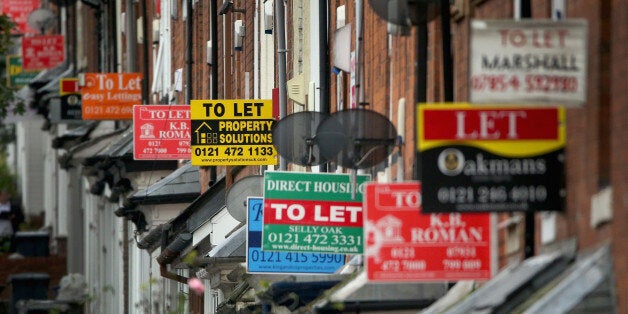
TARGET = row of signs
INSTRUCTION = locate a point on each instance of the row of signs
(308, 222)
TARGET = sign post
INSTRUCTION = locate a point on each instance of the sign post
(403, 244)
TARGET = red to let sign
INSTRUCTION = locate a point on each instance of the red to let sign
(111, 96)
(18, 11)
(403, 244)
(161, 132)
(42, 52)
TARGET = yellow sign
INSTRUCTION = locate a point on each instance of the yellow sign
(228, 132)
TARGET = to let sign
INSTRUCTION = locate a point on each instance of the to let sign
(16, 75)
(402, 244)
(489, 158)
(232, 132)
(161, 132)
(42, 51)
(260, 261)
(111, 96)
(313, 212)
(18, 11)
(533, 62)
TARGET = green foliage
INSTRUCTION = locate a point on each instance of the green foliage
(7, 178)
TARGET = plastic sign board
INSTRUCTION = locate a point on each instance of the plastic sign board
(66, 109)
(232, 132)
(16, 75)
(477, 158)
(259, 261)
(161, 132)
(403, 244)
(69, 85)
(313, 212)
(18, 11)
(111, 96)
(42, 51)
(528, 61)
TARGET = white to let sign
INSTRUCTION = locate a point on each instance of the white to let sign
(403, 244)
(533, 62)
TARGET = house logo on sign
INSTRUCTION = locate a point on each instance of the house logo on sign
(147, 130)
(203, 136)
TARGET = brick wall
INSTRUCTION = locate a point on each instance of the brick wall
(618, 122)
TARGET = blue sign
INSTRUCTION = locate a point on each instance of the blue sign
(258, 261)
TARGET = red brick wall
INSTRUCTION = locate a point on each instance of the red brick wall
(618, 122)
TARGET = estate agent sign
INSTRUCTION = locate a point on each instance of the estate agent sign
(110, 96)
(161, 132)
(403, 244)
(260, 261)
(232, 132)
(313, 212)
(528, 61)
(42, 51)
(491, 158)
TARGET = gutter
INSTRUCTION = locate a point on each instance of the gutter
(170, 253)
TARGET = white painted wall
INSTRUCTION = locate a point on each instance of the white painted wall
(30, 164)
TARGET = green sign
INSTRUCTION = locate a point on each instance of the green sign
(313, 212)
(16, 76)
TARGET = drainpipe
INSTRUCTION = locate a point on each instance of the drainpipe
(188, 51)
(213, 19)
(323, 42)
(359, 16)
(448, 71)
(281, 59)
(145, 93)
(530, 223)
(130, 35)
(170, 253)
(420, 72)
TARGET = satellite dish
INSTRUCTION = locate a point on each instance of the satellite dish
(356, 138)
(399, 12)
(61, 3)
(295, 139)
(41, 19)
(238, 193)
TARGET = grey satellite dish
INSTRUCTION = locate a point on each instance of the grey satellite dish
(41, 19)
(294, 137)
(238, 193)
(399, 12)
(356, 138)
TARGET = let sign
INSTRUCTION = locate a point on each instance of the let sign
(161, 132)
(232, 132)
(313, 212)
(402, 244)
(111, 96)
(42, 52)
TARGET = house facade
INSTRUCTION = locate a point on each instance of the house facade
(139, 230)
